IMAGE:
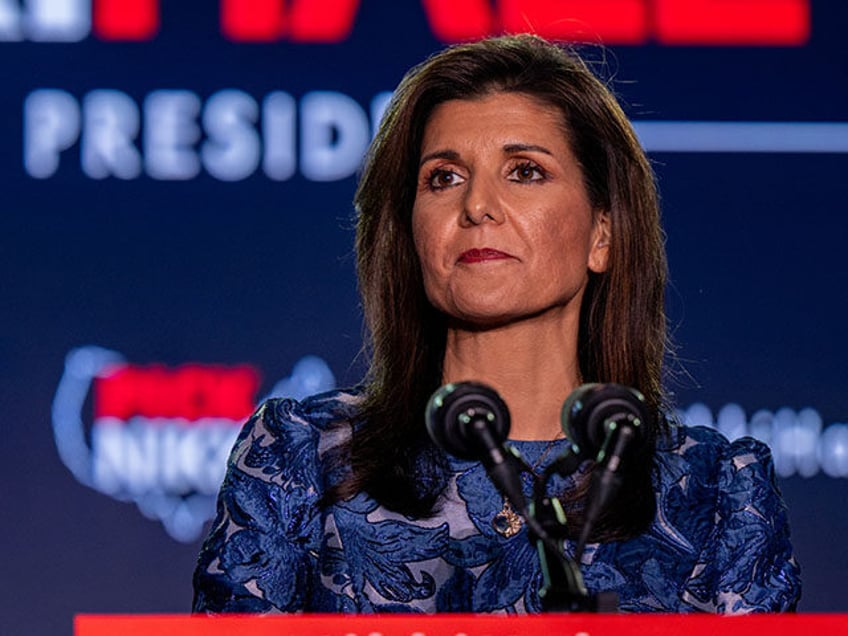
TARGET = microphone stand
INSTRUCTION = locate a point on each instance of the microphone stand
(563, 589)
(480, 423)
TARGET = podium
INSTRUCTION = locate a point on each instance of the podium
(464, 625)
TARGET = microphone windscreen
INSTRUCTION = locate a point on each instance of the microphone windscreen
(591, 408)
(453, 410)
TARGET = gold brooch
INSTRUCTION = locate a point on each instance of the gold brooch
(507, 522)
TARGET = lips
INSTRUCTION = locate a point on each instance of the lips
(480, 255)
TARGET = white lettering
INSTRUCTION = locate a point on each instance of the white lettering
(160, 455)
(807, 432)
(172, 474)
(203, 454)
(108, 454)
(124, 458)
(278, 133)
(170, 132)
(232, 151)
(334, 134)
(731, 421)
(110, 123)
(58, 20)
(833, 450)
(45, 20)
(163, 138)
(799, 442)
(51, 125)
(10, 21)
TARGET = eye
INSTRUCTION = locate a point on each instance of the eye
(441, 179)
(526, 172)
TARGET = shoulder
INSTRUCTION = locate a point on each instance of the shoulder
(705, 452)
(321, 412)
(703, 480)
(324, 414)
(724, 495)
(260, 550)
(287, 438)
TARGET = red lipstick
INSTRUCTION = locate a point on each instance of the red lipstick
(480, 255)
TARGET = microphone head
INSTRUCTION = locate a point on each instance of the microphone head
(591, 409)
(455, 411)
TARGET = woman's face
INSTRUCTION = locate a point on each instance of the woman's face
(502, 222)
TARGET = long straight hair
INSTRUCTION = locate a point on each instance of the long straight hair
(622, 336)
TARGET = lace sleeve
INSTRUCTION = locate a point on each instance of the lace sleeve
(257, 556)
(747, 564)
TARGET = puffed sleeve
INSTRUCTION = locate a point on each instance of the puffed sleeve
(259, 554)
(747, 564)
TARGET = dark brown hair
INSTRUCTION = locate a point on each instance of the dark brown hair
(622, 332)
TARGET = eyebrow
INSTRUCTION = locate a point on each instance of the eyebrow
(510, 148)
(450, 155)
(453, 155)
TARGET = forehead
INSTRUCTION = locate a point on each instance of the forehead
(495, 117)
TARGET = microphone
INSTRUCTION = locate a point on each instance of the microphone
(608, 423)
(470, 421)
(596, 416)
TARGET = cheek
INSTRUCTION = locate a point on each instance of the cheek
(420, 236)
(430, 239)
(563, 249)
(427, 239)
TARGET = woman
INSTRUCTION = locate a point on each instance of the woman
(508, 233)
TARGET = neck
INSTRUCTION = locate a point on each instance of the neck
(531, 363)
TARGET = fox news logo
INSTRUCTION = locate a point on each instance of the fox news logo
(160, 436)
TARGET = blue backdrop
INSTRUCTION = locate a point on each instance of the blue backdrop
(176, 243)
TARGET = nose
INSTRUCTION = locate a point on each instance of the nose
(481, 203)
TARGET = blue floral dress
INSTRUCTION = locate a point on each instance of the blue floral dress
(719, 543)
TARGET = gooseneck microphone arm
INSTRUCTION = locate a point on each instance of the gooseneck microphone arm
(605, 423)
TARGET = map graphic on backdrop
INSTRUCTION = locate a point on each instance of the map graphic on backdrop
(160, 437)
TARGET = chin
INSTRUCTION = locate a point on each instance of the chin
(479, 319)
(482, 318)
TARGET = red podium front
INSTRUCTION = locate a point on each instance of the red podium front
(466, 625)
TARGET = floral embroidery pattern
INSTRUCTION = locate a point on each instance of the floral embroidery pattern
(720, 541)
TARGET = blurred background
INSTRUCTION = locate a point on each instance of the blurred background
(176, 244)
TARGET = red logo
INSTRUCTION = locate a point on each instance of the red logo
(191, 392)
(633, 22)
(694, 22)
(125, 19)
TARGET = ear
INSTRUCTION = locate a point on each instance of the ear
(599, 251)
